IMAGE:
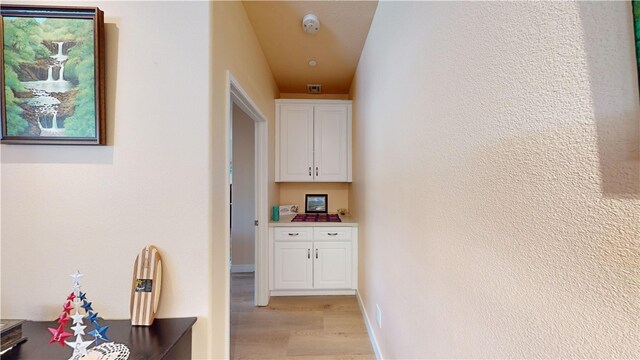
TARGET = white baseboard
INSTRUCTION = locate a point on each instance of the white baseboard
(372, 335)
(311, 292)
(242, 268)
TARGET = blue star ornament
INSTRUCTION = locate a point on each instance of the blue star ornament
(100, 333)
(93, 317)
(87, 306)
(83, 296)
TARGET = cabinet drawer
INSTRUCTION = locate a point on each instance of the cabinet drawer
(293, 233)
(332, 233)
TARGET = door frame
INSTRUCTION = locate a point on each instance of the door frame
(237, 95)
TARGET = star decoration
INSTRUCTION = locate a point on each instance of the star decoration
(100, 333)
(76, 287)
(79, 346)
(71, 297)
(59, 335)
(93, 317)
(78, 329)
(87, 306)
(77, 318)
(66, 308)
(63, 319)
(76, 277)
(83, 296)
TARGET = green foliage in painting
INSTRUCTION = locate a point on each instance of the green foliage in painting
(82, 123)
(80, 65)
(16, 125)
(22, 44)
(23, 41)
(67, 29)
(80, 68)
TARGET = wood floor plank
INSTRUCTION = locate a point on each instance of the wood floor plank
(328, 343)
(309, 303)
(347, 321)
(275, 320)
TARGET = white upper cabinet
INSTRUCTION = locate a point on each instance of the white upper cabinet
(296, 143)
(313, 140)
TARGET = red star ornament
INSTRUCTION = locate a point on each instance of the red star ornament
(66, 308)
(63, 319)
(71, 296)
(59, 335)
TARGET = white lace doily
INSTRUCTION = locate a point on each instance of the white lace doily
(106, 351)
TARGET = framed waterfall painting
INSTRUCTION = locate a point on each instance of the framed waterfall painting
(52, 75)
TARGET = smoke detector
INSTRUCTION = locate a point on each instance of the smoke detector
(310, 24)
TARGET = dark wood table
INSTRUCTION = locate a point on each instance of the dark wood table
(165, 339)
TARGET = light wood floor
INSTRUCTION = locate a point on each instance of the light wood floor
(296, 327)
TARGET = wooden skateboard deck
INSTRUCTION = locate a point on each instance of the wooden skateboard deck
(146, 285)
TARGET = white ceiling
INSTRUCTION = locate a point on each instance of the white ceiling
(344, 26)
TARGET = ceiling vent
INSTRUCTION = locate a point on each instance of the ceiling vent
(314, 88)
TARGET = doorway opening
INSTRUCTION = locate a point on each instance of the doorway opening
(240, 102)
(242, 192)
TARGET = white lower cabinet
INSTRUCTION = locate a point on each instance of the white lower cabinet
(313, 260)
(332, 265)
(293, 265)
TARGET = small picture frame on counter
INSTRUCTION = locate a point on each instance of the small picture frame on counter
(316, 203)
(288, 209)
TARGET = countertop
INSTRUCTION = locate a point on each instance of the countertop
(285, 220)
(165, 339)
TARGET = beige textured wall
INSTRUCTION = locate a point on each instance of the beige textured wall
(235, 48)
(243, 213)
(497, 180)
(93, 208)
(294, 193)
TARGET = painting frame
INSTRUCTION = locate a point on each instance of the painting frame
(316, 203)
(635, 11)
(31, 97)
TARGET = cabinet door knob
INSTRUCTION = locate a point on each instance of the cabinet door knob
(294, 234)
(308, 253)
(332, 234)
(309, 170)
(316, 253)
(316, 171)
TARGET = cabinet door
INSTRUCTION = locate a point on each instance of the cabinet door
(296, 142)
(332, 265)
(331, 132)
(293, 265)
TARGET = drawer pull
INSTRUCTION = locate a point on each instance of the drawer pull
(294, 234)
(332, 234)
(308, 253)
(316, 253)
